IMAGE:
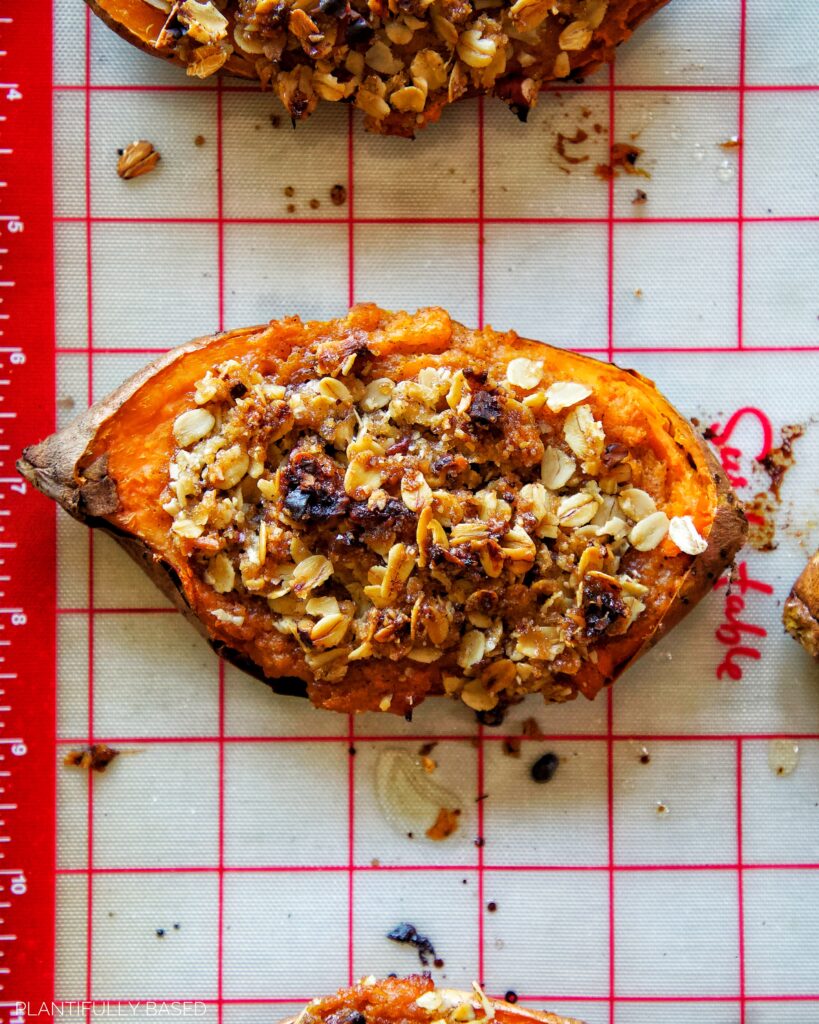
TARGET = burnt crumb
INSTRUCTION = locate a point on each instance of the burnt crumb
(359, 31)
(338, 195)
(160, 933)
(602, 605)
(511, 746)
(485, 409)
(493, 717)
(275, 120)
(95, 757)
(352, 751)
(176, 926)
(511, 997)
(289, 191)
(779, 460)
(408, 934)
(199, 140)
(314, 488)
(622, 155)
(426, 748)
(640, 197)
(491, 906)
(480, 841)
(573, 140)
(543, 770)
(314, 204)
(291, 207)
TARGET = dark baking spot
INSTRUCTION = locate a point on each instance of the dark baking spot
(521, 111)
(493, 717)
(480, 841)
(491, 906)
(359, 31)
(408, 934)
(338, 195)
(313, 488)
(346, 1017)
(160, 933)
(543, 770)
(511, 997)
(640, 197)
(614, 454)
(485, 409)
(289, 190)
(238, 389)
(275, 120)
(602, 605)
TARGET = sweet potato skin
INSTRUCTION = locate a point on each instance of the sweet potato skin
(801, 612)
(60, 468)
(140, 25)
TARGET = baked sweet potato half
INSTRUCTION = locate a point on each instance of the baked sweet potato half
(416, 1000)
(389, 505)
(801, 612)
(400, 61)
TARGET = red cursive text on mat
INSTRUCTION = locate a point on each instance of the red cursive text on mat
(735, 632)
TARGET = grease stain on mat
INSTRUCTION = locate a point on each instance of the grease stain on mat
(411, 800)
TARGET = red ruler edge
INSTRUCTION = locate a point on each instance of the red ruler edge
(27, 524)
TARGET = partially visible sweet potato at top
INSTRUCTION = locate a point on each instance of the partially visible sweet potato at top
(390, 506)
(399, 61)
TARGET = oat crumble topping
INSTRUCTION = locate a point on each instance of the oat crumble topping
(487, 525)
(401, 60)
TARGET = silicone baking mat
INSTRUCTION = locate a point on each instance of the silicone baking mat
(235, 855)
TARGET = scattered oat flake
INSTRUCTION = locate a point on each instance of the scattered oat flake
(445, 825)
(95, 757)
(137, 159)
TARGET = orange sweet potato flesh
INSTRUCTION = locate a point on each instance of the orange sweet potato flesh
(109, 469)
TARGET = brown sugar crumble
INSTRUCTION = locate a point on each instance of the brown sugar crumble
(622, 155)
(95, 757)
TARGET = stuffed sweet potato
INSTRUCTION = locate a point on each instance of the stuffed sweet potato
(400, 61)
(389, 506)
(801, 612)
(416, 1000)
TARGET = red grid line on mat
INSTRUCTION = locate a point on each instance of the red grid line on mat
(608, 219)
(89, 966)
(568, 88)
(336, 869)
(464, 737)
(351, 718)
(740, 887)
